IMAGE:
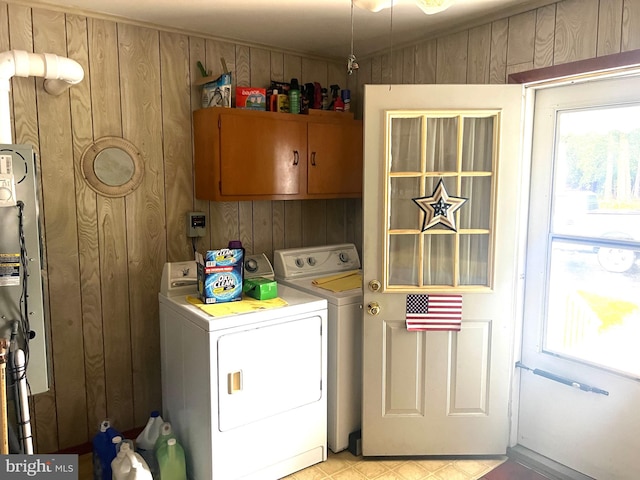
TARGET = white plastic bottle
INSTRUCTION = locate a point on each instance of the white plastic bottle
(129, 465)
(145, 442)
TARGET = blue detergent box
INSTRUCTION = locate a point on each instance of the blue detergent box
(220, 275)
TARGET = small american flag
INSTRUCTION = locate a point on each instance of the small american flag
(434, 312)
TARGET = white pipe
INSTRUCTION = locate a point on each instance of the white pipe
(19, 376)
(59, 74)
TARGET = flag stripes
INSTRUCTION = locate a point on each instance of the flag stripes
(434, 312)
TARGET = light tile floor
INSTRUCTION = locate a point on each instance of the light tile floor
(345, 466)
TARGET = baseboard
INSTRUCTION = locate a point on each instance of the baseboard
(544, 465)
(88, 447)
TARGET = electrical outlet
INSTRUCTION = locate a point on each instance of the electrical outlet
(196, 224)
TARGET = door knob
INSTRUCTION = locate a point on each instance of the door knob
(374, 285)
(373, 308)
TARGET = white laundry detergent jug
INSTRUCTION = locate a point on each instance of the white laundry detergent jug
(145, 442)
(129, 465)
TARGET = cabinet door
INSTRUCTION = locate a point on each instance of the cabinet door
(335, 158)
(261, 155)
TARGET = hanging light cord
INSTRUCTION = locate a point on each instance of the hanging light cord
(391, 46)
(351, 61)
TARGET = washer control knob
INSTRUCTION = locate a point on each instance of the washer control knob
(299, 263)
(251, 265)
(344, 257)
(311, 261)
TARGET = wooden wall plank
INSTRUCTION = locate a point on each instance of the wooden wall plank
(23, 90)
(88, 245)
(111, 227)
(146, 241)
(576, 30)
(337, 74)
(409, 65)
(278, 232)
(314, 222)
(293, 67)
(197, 52)
(521, 38)
(25, 131)
(314, 70)
(452, 58)
(426, 61)
(609, 27)
(293, 224)
(62, 240)
(262, 227)
(631, 25)
(245, 227)
(545, 36)
(336, 221)
(363, 77)
(396, 63)
(498, 64)
(260, 67)
(176, 135)
(223, 216)
(376, 70)
(243, 66)
(479, 58)
(277, 67)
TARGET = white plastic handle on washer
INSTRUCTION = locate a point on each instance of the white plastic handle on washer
(234, 382)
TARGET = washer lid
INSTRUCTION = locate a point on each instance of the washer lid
(346, 297)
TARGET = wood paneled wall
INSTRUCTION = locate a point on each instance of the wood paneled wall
(104, 256)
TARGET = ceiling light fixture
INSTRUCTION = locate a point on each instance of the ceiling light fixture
(427, 6)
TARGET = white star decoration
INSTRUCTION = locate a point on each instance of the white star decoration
(439, 208)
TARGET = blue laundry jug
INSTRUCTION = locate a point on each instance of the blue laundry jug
(104, 450)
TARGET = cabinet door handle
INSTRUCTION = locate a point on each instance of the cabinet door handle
(296, 157)
(313, 159)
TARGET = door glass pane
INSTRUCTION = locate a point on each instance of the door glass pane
(477, 210)
(474, 259)
(406, 138)
(477, 145)
(424, 151)
(438, 259)
(403, 252)
(404, 215)
(593, 311)
(442, 144)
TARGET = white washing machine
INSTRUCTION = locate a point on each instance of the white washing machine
(298, 267)
(245, 393)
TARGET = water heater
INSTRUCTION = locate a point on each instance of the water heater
(21, 294)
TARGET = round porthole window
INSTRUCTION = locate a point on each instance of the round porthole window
(112, 166)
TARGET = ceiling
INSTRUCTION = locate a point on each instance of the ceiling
(319, 28)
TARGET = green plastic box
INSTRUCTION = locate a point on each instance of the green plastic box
(260, 288)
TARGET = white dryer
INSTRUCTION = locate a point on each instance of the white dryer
(298, 267)
(245, 393)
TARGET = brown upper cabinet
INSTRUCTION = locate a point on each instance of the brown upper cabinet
(256, 155)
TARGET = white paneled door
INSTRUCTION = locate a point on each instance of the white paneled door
(441, 392)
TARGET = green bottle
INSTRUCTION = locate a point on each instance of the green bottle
(166, 432)
(172, 461)
(294, 96)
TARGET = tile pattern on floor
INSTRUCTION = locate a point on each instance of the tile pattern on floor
(345, 466)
